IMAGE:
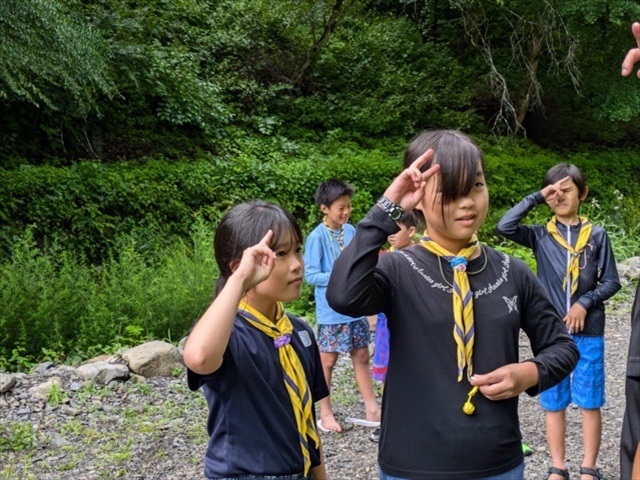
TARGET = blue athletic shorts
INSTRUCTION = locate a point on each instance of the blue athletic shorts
(585, 386)
(344, 337)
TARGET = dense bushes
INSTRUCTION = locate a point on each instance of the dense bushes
(118, 79)
(56, 306)
(97, 256)
(86, 207)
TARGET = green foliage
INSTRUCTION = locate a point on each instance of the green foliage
(304, 306)
(366, 74)
(54, 301)
(17, 360)
(55, 395)
(606, 108)
(87, 207)
(49, 56)
(14, 438)
(123, 79)
(151, 236)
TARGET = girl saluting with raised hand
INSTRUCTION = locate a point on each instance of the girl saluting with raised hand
(455, 308)
(258, 366)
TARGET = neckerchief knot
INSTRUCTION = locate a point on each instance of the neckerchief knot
(459, 264)
(282, 340)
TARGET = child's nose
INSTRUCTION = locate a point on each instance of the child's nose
(466, 201)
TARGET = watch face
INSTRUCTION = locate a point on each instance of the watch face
(396, 214)
(394, 211)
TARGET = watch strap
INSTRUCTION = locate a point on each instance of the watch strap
(394, 210)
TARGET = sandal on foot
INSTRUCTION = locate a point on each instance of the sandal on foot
(595, 473)
(362, 422)
(563, 472)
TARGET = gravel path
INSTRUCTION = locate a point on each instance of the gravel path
(156, 429)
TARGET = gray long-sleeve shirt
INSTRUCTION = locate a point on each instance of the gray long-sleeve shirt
(598, 278)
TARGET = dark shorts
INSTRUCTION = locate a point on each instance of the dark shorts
(298, 476)
(344, 337)
(515, 474)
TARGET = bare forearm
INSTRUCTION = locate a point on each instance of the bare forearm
(209, 338)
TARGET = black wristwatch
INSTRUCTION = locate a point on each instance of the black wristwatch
(394, 211)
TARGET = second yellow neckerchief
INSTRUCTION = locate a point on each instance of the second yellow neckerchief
(573, 268)
(463, 330)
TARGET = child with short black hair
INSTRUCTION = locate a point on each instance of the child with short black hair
(455, 308)
(409, 226)
(576, 264)
(337, 333)
(258, 366)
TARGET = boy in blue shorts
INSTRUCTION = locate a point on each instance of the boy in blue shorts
(576, 264)
(337, 333)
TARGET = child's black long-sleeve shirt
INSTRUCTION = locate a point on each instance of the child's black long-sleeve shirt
(425, 434)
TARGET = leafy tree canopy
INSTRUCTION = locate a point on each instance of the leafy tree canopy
(49, 57)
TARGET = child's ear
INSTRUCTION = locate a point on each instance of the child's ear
(584, 194)
(233, 265)
(324, 209)
(412, 231)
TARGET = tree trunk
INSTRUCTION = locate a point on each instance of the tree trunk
(339, 10)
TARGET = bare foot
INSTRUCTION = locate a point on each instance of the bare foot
(328, 422)
(373, 415)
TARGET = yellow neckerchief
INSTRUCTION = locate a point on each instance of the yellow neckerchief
(295, 379)
(463, 330)
(573, 269)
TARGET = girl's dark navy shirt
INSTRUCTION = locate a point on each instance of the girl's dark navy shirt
(251, 423)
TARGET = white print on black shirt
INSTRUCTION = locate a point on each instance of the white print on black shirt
(447, 288)
(512, 303)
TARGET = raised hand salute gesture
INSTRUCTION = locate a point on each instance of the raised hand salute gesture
(633, 56)
(208, 340)
(407, 190)
(256, 263)
(553, 191)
